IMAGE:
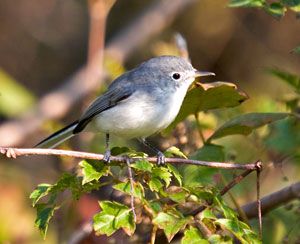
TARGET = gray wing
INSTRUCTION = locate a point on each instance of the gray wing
(118, 91)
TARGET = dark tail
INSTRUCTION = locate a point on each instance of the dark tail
(58, 137)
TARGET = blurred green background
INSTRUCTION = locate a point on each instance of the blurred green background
(44, 42)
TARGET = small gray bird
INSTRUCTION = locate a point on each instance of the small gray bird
(137, 104)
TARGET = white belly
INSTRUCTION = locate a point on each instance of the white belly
(139, 115)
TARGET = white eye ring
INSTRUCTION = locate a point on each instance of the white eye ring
(176, 76)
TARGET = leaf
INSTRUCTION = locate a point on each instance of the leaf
(170, 222)
(162, 173)
(207, 214)
(218, 239)
(92, 170)
(138, 190)
(276, 9)
(193, 236)
(174, 151)
(142, 165)
(246, 3)
(14, 98)
(296, 50)
(175, 173)
(246, 123)
(41, 191)
(44, 214)
(239, 229)
(227, 211)
(113, 217)
(291, 79)
(155, 184)
(199, 176)
(208, 96)
(177, 194)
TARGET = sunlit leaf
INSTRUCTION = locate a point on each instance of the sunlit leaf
(193, 236)
(113, 217)
(175, 173)
(138, 190)
(246, 123)
(155, 184)
(142, 165)
(174, 151)
(171, 222)
(163, 174)
(208, 96)
(41, 191)
(92, 170)
(276, 9)
(246, 3)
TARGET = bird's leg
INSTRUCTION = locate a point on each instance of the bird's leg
(107, 153)
(160, 156)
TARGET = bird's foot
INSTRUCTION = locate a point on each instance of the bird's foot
(161, 159)
(107, 155)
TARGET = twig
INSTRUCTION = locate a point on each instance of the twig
(203, 228)
(131, 187)
(15, 152)
(153, 234)
(160, 14)
(258, 170)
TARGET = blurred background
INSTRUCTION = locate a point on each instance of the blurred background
(42, 43)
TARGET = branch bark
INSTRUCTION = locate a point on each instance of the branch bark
(15, 152)
(160, 14)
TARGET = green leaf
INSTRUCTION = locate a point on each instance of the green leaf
(155, 184)
(193, 236)
(296, 50)
(218, 239)
(246, 123)
(246, 3)
(41, 191)
(291, 79)
(239, 229)
(92, 170)
(44, 214)
(208, 96)
(207, 214)
(175, 173)
(14, 98)
(177, 194)
(142, 165)
(171, 222)
(194, 175)
(113, 217)
(174, 151)
(162, 173)
(276, 9)
(138, 190)
(227, 211)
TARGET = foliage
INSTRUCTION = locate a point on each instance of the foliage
(275, 8)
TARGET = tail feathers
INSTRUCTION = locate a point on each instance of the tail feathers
(58, 137)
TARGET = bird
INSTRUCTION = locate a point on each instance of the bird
(137, 104)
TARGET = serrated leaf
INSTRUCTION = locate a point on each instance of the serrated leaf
(41, 191)
(155, 184)
(193, 236)
(113, 217)
(92, 170)
(175, 173)
(208, 96)
(138, 190)
(174, 151)
(170, 223)
(44, 214)
(291, 79)
(163, 174)
(246, 3)
(142, 165)
(246, 123)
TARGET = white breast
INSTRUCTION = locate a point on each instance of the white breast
(140, 115)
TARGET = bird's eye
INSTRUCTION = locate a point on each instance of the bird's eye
(176, 76)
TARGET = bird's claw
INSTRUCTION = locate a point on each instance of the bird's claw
(161, 159)
(107, 155)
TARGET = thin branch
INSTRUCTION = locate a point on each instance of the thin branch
(131, 188)
(153, 234)
(258, 170)
(15, 152)
(160, 14)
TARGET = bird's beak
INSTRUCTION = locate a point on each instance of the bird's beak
(203, 73)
